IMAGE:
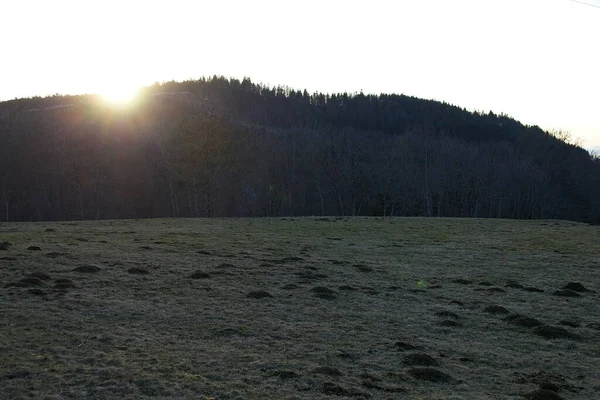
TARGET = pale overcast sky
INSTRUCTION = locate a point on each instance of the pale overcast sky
(536, 60)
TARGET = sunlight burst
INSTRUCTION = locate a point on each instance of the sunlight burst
(121, 95)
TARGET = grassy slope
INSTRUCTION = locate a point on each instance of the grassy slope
(164, 335)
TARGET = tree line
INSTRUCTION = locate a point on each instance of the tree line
(220, 147)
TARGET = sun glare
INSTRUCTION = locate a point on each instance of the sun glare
(121, 95)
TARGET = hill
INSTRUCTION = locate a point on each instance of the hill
(224, 147)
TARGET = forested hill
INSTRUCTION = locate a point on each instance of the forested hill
(224, 147)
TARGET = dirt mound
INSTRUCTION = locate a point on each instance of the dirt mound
(552, 332)
(55, 254)
(199, 275)
(330, 388)
(26, 282)
(327, 371)
(546, 379)
(284, 374)
(88, 269)
(572, 324)
(258, 294)
(532, 289)
(575, 286)
(325, 296)
(203, 252)
(461, 281)
(542, 394)
(309, 276)
(290, 286)
(347, 288)
(363, 268)
(34, 248)
(514, 285)
(496, 290)
(449, 323)
(447, 314)
(566, 293)
(403, 346)
(522, 320)
(5, 245)
(40, 275)
(456, 302)
(496, 309)
(138, 271)
(594, 325)
(485, 283)
(420, 359)
(63, 283)
(429, 374)
(322, 290)
(225, 266)
(291, 259)
(549, 386)
(388, 389)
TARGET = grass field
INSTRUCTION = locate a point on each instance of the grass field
(305, 308)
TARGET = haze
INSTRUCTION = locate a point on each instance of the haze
(534, 60)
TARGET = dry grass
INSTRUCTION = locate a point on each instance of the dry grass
(201, 323)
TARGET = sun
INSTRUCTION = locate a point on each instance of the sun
(120, 95)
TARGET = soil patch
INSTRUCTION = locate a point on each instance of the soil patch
(34, 248)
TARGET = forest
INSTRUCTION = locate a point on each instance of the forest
(222, 147)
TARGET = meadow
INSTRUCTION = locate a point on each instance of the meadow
(300, 308)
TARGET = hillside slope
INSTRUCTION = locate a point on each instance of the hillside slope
(223, 147)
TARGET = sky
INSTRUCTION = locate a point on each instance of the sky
(535, 60)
